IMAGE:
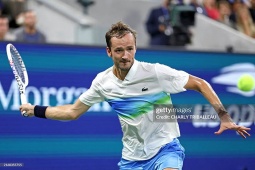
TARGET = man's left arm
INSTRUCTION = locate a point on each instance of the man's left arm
(200, 85)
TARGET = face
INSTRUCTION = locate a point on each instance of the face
(166, 3)
(224, 9)
(253, 3)
(4, 25)
(30, 19)
(122, 51)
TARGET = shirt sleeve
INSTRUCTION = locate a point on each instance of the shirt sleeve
(92, 95)
(171, 80)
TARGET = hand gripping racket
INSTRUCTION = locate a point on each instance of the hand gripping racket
(19, 71)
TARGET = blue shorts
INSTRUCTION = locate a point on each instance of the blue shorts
(170, 155)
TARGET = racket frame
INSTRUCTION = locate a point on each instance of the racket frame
(21, 85)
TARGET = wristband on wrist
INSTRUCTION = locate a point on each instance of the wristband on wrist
(39, 111)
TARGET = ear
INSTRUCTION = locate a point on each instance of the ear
(109, 52)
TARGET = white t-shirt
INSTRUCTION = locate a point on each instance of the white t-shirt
(133, 99)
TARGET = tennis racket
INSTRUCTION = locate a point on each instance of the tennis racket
(19, 71)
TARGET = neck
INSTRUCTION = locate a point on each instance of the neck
(30, 30)
(2, 36)
(164, 6)
(120, 74)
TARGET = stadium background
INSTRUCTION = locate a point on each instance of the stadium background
(60, 73)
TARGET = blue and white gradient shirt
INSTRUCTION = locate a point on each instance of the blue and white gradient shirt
(133, 100)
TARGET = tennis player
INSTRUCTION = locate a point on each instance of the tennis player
(132, 88)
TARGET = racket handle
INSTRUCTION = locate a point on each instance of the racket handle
(23, 99)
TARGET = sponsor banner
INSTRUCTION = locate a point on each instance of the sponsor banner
(58, 74)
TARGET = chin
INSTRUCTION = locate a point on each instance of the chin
(125, 68)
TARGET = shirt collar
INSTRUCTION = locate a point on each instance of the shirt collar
(132, 71)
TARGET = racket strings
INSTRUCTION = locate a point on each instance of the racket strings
(18, 64)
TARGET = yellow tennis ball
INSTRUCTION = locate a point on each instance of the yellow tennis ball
(246, 83)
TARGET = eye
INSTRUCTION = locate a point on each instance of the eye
(130, 49)
(118, 50)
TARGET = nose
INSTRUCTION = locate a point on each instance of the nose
(125, 55)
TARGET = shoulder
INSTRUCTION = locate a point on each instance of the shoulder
(102, 76)
(40, 32)
(152, 66)
(155, 11)
(18, 31)
(162, 69)
(9, 37)
(146, 66)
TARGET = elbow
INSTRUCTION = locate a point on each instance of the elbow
(72, 115)
(197, 84)
(203, 85)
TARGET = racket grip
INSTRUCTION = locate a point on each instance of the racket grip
(23, 99)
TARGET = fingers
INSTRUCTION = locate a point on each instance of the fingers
(27, 110)
(242, 131)
(24, 113)
(219, 131)
(241, 134)
(245, 128)
(246, 133)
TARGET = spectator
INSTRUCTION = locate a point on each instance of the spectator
(13, 9)
(235, 4)
(211, 9)
(1, 7)
(158, 24)
(198, 7)
(5, 35)
(252, 10)
(225, 11)
(29, 32)
(244, 21)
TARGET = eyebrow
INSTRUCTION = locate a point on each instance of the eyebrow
(118, 48)
(131, 46)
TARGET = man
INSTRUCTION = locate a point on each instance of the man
(4, 30)
(158, 24)
(29, 32)
(132, 88)
(13, 9)
(252, 10)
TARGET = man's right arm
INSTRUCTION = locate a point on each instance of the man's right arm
(64, 112)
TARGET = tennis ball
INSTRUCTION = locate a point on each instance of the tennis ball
(246, 83)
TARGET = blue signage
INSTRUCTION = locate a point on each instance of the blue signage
(58, 74)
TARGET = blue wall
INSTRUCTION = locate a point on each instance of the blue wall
(58, 74)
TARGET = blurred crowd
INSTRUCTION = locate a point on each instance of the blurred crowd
(17, 23)
(237, 14)
(168, 24)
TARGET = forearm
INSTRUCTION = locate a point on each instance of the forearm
(207, 91)
(200, 85)
(64, 112)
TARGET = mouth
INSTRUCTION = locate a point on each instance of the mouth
(124, 61)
